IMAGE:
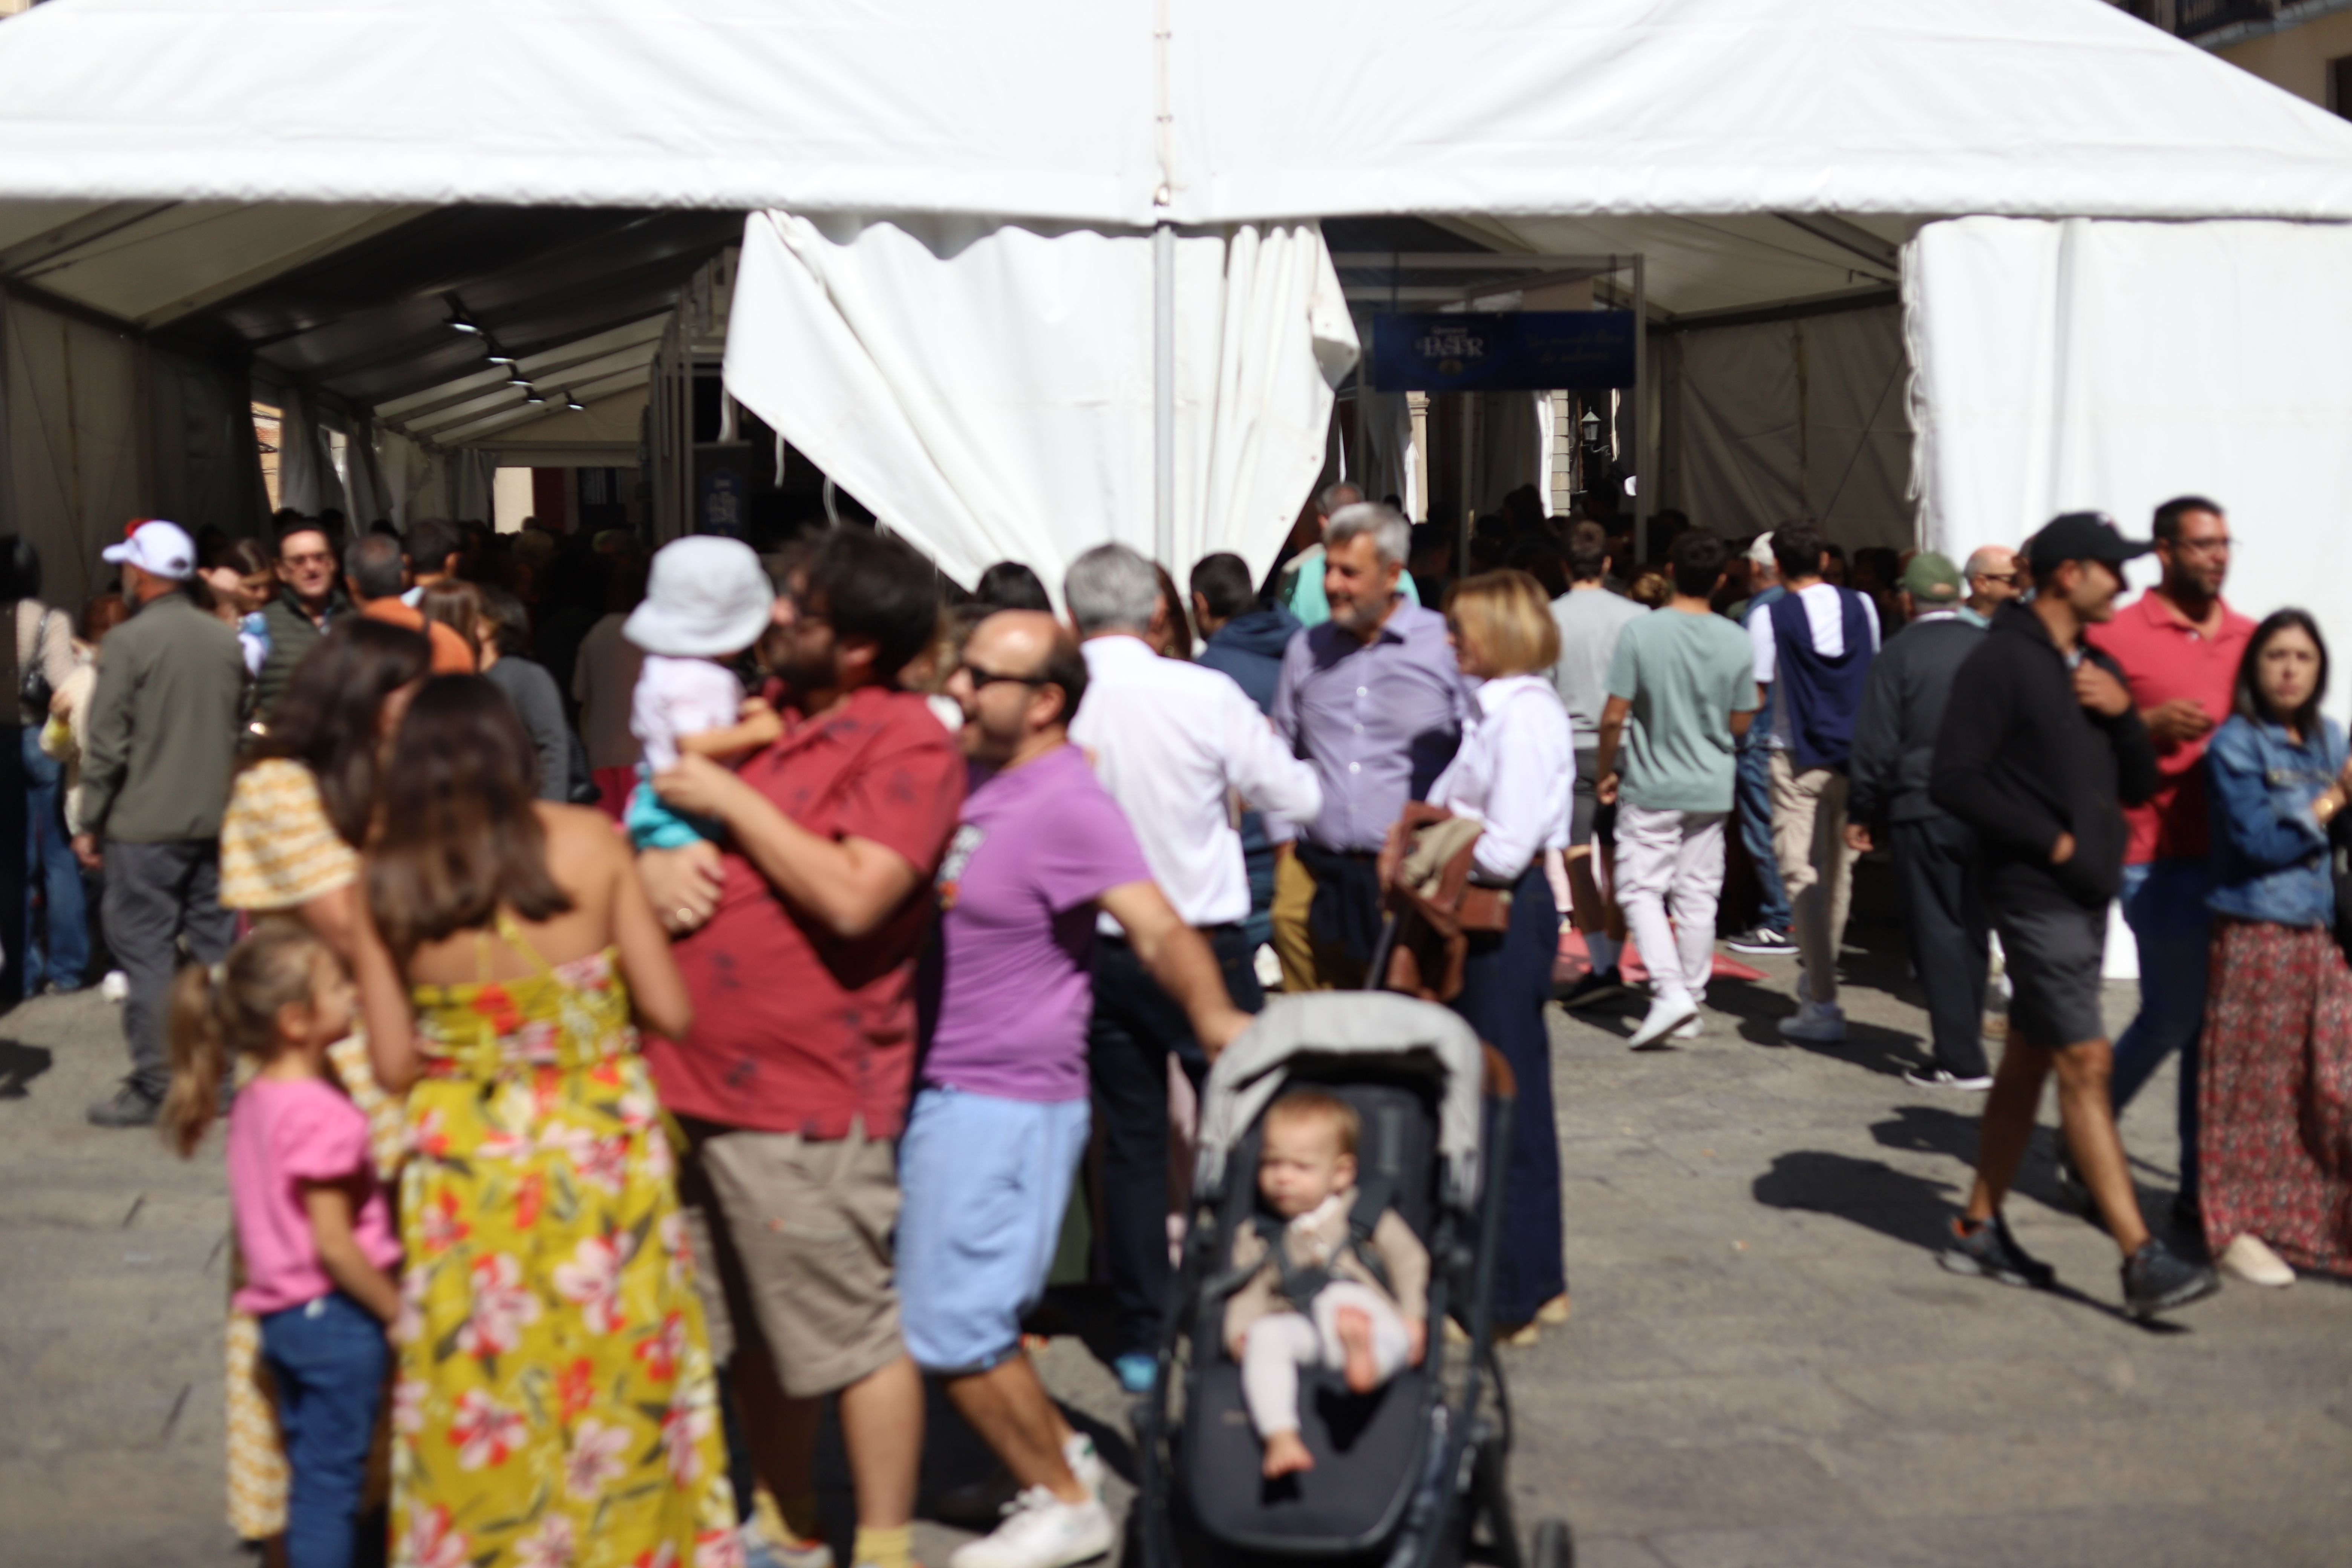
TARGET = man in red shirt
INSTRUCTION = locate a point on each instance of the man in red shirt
(2179, 646)
(793, 1084)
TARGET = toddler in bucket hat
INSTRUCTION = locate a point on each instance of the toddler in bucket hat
(707, 602)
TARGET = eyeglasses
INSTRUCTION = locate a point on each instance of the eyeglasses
(984, 677)
(316, 558)
(2009, 578)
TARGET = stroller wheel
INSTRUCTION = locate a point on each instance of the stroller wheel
(1553, 1547)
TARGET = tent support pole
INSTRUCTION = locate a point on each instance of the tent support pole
(1163, 396)
(1644, 484)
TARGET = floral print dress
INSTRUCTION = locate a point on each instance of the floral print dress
(556, 1403)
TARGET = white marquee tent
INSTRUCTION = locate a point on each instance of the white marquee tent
(2022, 168)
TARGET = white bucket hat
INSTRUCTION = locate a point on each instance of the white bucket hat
(708, 597)
(159, 548)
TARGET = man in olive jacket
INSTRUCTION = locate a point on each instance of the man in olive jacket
(309, 598)
(155, 779)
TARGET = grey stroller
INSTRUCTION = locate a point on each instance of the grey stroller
(1414, 1473)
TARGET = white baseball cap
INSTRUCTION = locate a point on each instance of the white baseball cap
(708, 597)
(1760, 553)
(159, 548)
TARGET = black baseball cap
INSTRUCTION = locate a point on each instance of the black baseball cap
(2082, 536)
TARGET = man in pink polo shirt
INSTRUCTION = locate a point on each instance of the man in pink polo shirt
(2179, 646)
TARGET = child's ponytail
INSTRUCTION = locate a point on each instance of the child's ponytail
(229, 1007)
(199, 1037)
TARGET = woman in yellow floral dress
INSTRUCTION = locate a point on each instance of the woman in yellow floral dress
(556, 1403)
(288, 847)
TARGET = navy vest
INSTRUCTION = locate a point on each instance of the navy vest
(1823, 694)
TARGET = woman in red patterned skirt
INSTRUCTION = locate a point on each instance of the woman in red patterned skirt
(2274, 1146)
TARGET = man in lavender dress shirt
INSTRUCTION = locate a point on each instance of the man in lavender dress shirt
(1373, 700)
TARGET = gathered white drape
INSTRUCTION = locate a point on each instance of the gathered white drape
(985, 386)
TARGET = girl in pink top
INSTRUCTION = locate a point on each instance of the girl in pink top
(311, 1219)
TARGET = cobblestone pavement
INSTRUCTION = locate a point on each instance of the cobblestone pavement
(1765, 1367)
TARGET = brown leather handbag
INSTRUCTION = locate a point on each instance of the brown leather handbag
(1426, 869)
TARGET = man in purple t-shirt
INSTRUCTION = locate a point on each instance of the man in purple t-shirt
(1000, 1116)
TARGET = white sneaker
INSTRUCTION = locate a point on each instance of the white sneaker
(1042, 1531)
(1667, 1014)
(1689, 1029)
(2250, 1258)
(1815, 1022)
(1085, 1464)
(116, 986)
(977, 1505)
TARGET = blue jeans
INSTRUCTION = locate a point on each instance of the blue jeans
(328, 1358)
(51, 874)
(2164, 904)
(1754, 796)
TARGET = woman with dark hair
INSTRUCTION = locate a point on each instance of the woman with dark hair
(2275, 1118)
(457, 604)
(1173, 638)
(505, 643)
(243, 581)
(54, 959)
(555, 1385)
(1010, 585)
(298, 812)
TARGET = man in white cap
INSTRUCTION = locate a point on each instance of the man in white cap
(155, 777)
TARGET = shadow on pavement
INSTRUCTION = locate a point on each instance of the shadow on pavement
(20, 1063)
(1888, 1052)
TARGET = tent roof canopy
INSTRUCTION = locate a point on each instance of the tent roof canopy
(1048, 108)
(315, 181)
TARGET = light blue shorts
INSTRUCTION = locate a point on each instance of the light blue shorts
(983, 1185)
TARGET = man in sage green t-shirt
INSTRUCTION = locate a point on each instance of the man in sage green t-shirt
(1685, 679)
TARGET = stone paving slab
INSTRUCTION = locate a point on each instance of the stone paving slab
(1765, 1367)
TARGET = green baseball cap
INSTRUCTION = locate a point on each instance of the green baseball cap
(1932, 579)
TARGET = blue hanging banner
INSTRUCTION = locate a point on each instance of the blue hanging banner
(1514, 350)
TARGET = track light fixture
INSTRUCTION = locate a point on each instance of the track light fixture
(574, 404)
(532, 395)
(458, 320)
(496, 358)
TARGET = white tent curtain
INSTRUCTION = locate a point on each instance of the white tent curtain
(2113, 365)
(69, 448)
(1384, 442)
(413, 483)
(307, 480)
(472, 479)
(371, 501)
(1804, 417)
(986, 387)
(1513, 448)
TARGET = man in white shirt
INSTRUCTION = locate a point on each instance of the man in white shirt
(1813, 649)
(1178, 746)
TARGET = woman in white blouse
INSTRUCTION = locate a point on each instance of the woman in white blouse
(1514, 773)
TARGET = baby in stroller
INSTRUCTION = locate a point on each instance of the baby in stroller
(1348, 1291)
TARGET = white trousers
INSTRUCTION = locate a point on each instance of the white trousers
(1279, 1344)
(1670, 857)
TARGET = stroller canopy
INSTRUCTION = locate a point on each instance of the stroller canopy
(1368, 1025)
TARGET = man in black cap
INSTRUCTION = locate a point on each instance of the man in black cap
(2040, 750)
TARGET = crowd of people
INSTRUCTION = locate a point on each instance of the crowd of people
(677, 998)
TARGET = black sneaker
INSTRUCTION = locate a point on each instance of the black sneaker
(1599, 985)
(1989, 1252)
(128, 1106)
(1764, 940)
(2157, 1279)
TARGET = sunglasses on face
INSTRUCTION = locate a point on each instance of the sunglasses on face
(982, 678)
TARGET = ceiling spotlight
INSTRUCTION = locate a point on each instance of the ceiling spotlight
(573, 404)
(517, 378)
(532, 395)
(496, 358)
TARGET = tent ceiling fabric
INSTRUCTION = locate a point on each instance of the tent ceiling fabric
(354, 299)
(308, 188)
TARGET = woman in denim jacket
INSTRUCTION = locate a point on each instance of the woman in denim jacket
(2274, 1139)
